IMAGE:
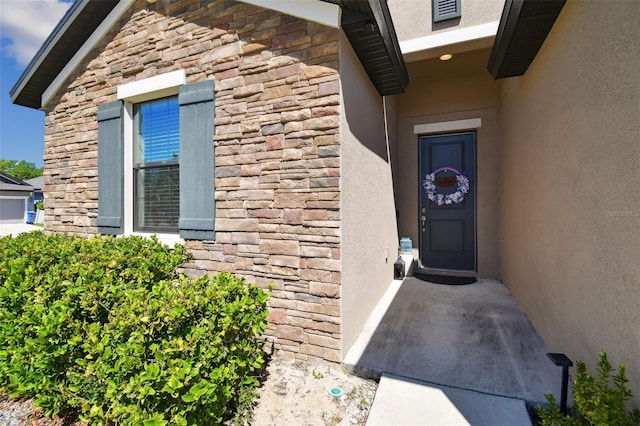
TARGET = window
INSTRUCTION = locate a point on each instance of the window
(156, 159)
(156, 169)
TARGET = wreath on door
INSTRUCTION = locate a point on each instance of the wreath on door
(456, 197)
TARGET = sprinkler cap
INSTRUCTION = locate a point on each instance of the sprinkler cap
(335, 392)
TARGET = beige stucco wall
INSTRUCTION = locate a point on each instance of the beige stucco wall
(413, 18)
(570, 197)
(439, 91)
(369, 239)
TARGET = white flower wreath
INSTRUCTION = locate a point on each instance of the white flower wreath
(453, 198)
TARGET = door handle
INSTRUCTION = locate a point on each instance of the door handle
(424, 222)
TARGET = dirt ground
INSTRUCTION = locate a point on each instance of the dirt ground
(298, 393)
(294, 393)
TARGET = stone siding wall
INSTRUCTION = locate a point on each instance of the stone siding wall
(276, 156)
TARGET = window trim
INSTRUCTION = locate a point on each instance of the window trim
(447, 126)
(136, 92)
(147, 89)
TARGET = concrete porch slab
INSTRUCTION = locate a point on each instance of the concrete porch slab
(472, 337)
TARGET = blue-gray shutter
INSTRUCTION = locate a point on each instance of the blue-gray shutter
(446, 9)
(197, 205)
(110, 168)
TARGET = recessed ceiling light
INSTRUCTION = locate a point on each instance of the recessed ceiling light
(446, 57)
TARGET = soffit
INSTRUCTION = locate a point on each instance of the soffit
(369, 28)
(523, 28)
(65, 40)
(462, 64)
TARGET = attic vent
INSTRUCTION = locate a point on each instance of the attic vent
(445, 9)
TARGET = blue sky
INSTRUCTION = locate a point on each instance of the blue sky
(24, 25)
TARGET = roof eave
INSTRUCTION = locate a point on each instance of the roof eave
(380, 55)
(83, 17)
(524, 26)
(370, 31)
(12, 183)
(17, 188)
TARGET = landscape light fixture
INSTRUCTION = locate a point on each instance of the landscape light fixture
(561, 360)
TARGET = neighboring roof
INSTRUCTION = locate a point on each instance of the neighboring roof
(524, 26)
(10, 183)
(378, 50)
(36, 182)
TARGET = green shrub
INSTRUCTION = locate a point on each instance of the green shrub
(39, 205)
(597, 400)
(108, 327)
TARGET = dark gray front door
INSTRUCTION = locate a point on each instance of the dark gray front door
(447, 223)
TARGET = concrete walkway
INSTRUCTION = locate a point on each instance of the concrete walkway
(466, 351)
(402, 402)
(18, 228)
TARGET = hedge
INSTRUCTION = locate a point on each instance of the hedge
(106, 326)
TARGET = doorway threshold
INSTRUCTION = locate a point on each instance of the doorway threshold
(453, 272)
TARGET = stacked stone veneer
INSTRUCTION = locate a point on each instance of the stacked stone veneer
(277, 149)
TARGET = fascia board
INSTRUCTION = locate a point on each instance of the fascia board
(44, 51)
(91, 42)
(311, 10)
(471, 35)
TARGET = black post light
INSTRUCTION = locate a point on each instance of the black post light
(561, 360)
